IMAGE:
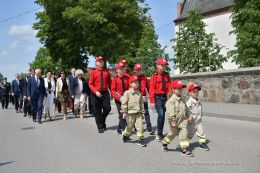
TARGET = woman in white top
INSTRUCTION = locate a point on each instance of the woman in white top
(49, 84)
(79, 91)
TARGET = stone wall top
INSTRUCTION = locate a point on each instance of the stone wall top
(241, 71)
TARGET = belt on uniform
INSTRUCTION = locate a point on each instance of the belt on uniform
(161, 95)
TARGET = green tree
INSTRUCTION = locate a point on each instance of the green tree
(149, 49)
(1, 77)
(195, 50)
(72, 29)
(44, 61)
(246, 23)
(63, 38)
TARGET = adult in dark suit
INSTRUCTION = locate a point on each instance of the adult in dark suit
(17, 92)
(5, 92)
(71, 78)
(36, 92)
(26, 102)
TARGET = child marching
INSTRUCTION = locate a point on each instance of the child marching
(195, 108)
(133, 110)
(178, 117)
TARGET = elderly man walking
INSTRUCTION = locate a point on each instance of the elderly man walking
(36, 93)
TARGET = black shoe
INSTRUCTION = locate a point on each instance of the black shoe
(151, 131)
(159, 138)
(141, 143)
(119, 132)
(40, 122)
(24, 115)
(123, 139)
(104, 127)
(100, 131)
(164, 147)
(186, 152)
(204, 147)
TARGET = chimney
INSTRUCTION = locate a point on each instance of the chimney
(179, 7)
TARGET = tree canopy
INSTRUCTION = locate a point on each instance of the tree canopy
(246, 23)
(196, 50)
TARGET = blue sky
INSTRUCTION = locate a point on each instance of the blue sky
(18, 44)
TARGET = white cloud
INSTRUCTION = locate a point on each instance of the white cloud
(30, 49)
(9, 67)
(3, 54)
(22, 31)
(14, 44)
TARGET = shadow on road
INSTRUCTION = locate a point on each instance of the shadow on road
(27, 128)
(6, 163)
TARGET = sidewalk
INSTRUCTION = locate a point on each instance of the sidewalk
(245, 112)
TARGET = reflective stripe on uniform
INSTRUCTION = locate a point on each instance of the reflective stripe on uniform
(202, 140)
(166, 140)
(126, 132)
(140, 134)
(184, 144)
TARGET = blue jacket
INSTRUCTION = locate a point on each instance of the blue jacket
(71, 78)
(34, 90)
(15, 88)
(75, 84)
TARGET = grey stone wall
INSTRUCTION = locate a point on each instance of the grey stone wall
(229, 86)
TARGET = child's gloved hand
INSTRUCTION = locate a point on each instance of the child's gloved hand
(190, 120)
(124, 115)
(173, 124)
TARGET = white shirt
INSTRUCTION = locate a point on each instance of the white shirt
(38, 82)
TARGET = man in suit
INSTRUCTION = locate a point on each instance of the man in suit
(5, 92)
(71, 78)
(27, 104)
(36, 93)
(17, 88)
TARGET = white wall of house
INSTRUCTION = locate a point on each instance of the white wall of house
(221, 26)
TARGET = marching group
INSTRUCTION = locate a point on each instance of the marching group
(36, 96)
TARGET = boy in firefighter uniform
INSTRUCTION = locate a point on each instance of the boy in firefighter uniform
(178, 117)
(119, 85)
(158, 90)
(132, 108)
(99, 84)
(127, 72)
(195, 108)
(143, 88)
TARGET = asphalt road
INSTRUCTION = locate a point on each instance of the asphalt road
(74, 146)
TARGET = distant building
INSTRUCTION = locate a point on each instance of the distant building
(216, 15)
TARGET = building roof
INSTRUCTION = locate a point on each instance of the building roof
(204, 6)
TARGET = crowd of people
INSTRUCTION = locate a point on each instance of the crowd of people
(35, 95)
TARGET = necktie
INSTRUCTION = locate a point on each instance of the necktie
(163, 83)
(37, 81)
(101, 81)
(123, 84)
(140, 87)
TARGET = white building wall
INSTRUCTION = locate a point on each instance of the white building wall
(221, 26)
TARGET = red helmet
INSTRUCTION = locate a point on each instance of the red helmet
(161, 61)
(99, 59)
(123, 61)
(133, 79)
(193, 87)
(119, 65)
(138, 67)
(177, 84)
